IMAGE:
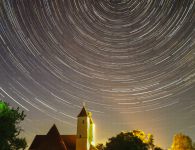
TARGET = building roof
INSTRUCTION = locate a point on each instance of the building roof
(54, 141)
(70, 141)
(37, 141)
(83, 113)
(54, 132)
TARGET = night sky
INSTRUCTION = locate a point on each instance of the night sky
(131, 61)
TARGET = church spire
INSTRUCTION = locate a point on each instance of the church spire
(83, 113)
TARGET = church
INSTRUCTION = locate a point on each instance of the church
(83, 140)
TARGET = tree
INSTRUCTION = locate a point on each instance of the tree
(10, 119)
(100, 146)
(134, 140)
(193, 145)
(157, 148)
(126, 141)
(150, 140)
(181, 142)
(146, 138)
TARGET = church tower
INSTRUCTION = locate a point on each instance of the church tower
(85, 130)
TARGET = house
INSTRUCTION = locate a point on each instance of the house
(83, 140)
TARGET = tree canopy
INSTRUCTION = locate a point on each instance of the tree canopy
(181, 142)
(126, 141)
(10, 119)
(133, 140)
(158, 148)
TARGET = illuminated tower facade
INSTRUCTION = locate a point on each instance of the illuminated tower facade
(85, 131)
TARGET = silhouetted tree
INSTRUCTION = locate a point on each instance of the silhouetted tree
(146, 138)
(126, 141)
(10, 119)
(100, 146)
(150, 140)
(134, 140)
(193, 145)
(158, 148)
(181, 142)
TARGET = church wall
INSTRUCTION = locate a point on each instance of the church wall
(83, 125)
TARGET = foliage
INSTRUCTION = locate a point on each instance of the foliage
(134, 140)
(181, 142)
(100, 146)
(158, 148)
(146, 138)
(126, 141)
(10, 119)
(193, 146)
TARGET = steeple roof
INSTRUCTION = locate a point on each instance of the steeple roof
(54, 139)
(83, 113)
(53, 131)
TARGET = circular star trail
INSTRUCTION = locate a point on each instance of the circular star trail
(131, 61)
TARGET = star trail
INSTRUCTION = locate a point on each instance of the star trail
(131, 61)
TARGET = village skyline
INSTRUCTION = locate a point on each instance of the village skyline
(131, 62)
